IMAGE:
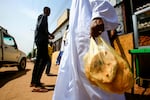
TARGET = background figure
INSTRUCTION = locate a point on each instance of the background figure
(41, 41)
(112, 36)
(50, 52)
(89, 18)
(63, 44)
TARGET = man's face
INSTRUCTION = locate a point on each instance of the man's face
(47, 12)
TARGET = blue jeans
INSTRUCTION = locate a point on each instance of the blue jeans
(59, 57)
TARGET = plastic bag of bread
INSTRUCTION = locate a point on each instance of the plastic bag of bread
(105, 68)
(100, 63)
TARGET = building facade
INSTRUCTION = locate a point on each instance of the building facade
(62, 23)
(124, 8)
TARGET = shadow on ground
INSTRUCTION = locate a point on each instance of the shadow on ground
(50, 87)
(136, 97)
(7, 76)
(52, 75)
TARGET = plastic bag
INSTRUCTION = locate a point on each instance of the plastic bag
(105, 68)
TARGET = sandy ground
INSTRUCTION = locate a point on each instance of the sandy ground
(15, 85)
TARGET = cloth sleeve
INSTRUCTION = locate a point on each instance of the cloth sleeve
(104, 10)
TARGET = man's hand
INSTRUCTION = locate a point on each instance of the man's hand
(97, 27)
(51, 36)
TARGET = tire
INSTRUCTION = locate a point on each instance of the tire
(22, 65)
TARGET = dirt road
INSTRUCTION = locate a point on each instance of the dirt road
(15, 85)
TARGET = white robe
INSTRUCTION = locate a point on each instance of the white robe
(72, 83)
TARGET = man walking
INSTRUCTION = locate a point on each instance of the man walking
(41, 41)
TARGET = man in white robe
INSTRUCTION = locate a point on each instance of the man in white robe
(86, 19)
